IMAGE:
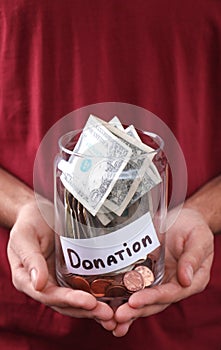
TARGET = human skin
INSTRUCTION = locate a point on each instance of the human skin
(31, 254)
(31, 257)
(188, 258)
(187, 271)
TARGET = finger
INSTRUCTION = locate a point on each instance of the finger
(164, 294)
(127, 314)
(122, 329)
(102, 313)
(55, 296)
(61, 297)
(109, 325)
(73, 312)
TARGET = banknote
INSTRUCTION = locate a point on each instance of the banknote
(151, 177)
(131, 131)
(126, 185)
(128, 181)
(115, 121)
(122, 135)
(91, 174)
(69, 223)
(105, 215)
(137, 169)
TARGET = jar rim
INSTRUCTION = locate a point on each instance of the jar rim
(66, 139)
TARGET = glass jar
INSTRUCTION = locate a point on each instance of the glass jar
(110, 210)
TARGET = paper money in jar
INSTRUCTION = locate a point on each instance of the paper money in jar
(110, 201)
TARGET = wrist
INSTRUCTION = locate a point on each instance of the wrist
(41, 212)
(195, 205)
(14, 194)
(206, 201)
(21, 202)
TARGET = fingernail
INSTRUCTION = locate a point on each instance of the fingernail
(33, 274)
(189, 271)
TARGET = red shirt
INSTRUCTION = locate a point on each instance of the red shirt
(56, 56)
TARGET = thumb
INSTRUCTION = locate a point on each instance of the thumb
(185, 271)
(194, 253)
(38, 271)
(26, 258)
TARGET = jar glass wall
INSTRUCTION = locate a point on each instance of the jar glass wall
(110, 213)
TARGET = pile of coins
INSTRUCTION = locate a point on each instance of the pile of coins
(119, 285)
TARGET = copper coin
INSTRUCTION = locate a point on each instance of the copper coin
(115, 291)
(99, 286)
(78, 282)
(146, 273)
(133, 281)
(117, 279)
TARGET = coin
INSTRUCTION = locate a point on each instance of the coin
(99, 286)
(115, 291)
(78, 282)
(133, 281)
(146, 273)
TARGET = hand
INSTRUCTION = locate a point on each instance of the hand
(32, 261)
(189, 255)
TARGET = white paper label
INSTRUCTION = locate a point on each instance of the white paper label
(113, 251)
